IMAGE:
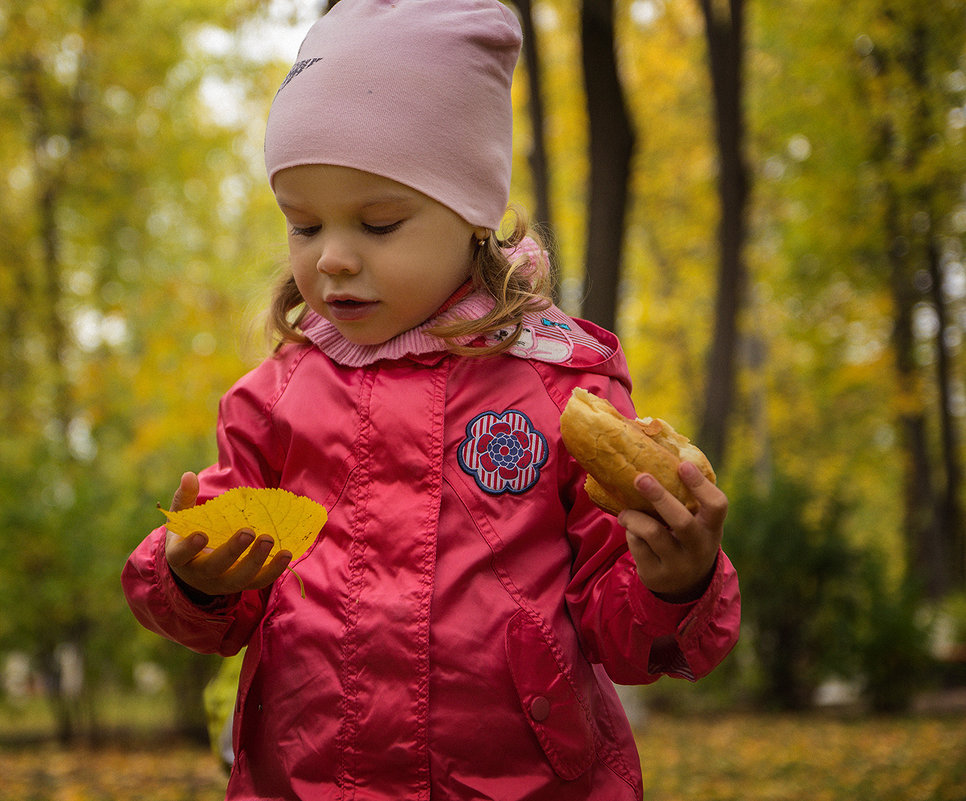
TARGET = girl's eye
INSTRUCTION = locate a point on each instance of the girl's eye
(382, 230)
(309, 231)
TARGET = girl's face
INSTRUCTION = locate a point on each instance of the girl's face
(370, 255)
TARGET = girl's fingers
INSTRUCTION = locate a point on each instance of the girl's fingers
(713, 502)
(186, 494)
(238, 564)
(270, 572)
(675, 553)
(224, 556)
(240, 573)
(671, 510)
(181, 550)
(651, 543)
(251, 572)
(224, 570)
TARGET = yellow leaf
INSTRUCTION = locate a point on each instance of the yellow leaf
(293, 521)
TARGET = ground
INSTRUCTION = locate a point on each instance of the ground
(686, 758)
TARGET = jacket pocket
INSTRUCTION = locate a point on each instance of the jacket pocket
(549, 699)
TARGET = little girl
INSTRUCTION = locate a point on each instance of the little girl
(466, 607)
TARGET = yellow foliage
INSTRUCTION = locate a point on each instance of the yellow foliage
(293, 521)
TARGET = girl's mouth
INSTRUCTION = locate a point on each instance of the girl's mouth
(348, 309)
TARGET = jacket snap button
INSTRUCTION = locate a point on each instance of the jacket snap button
(540, 709)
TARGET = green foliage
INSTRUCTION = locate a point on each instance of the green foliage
(798, 581)
(891, 642)
(954, 609)
(816, 606)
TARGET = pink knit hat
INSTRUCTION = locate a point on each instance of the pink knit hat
(414, 90)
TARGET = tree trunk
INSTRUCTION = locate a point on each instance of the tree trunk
(537, 157)
(724, 27)
(914, 200)
(948, 509)
(923, 537)
(611, 148)
(51, 369)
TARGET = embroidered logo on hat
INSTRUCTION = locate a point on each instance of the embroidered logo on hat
(503, 452)
(296, 69)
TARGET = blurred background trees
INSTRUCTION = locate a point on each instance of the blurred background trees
(132, 229)
(765, 200)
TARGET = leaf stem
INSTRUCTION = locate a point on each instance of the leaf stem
(299, 579)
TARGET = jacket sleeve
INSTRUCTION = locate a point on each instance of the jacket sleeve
(160, 605)
(638, 637)
(635, 635)
(248, 455)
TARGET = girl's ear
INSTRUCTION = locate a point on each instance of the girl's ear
(481, 234)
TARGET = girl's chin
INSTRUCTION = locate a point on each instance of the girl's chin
(362, 335)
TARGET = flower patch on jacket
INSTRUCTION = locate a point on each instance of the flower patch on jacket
(503, 452)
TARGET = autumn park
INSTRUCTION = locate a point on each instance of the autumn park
(765, 201)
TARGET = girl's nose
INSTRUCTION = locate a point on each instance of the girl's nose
(337, 257)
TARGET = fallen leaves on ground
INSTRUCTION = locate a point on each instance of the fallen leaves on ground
(717, 758)
(51, 773)
(807, 758)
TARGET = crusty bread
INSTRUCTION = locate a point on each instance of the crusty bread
(614, 450)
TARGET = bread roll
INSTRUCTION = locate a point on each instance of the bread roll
(614, 450)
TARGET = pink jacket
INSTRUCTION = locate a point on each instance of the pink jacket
(466, 607)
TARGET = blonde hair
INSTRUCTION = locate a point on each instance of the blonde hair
(516, 285)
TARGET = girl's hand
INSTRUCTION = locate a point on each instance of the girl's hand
(220, 571)
(676, 561)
